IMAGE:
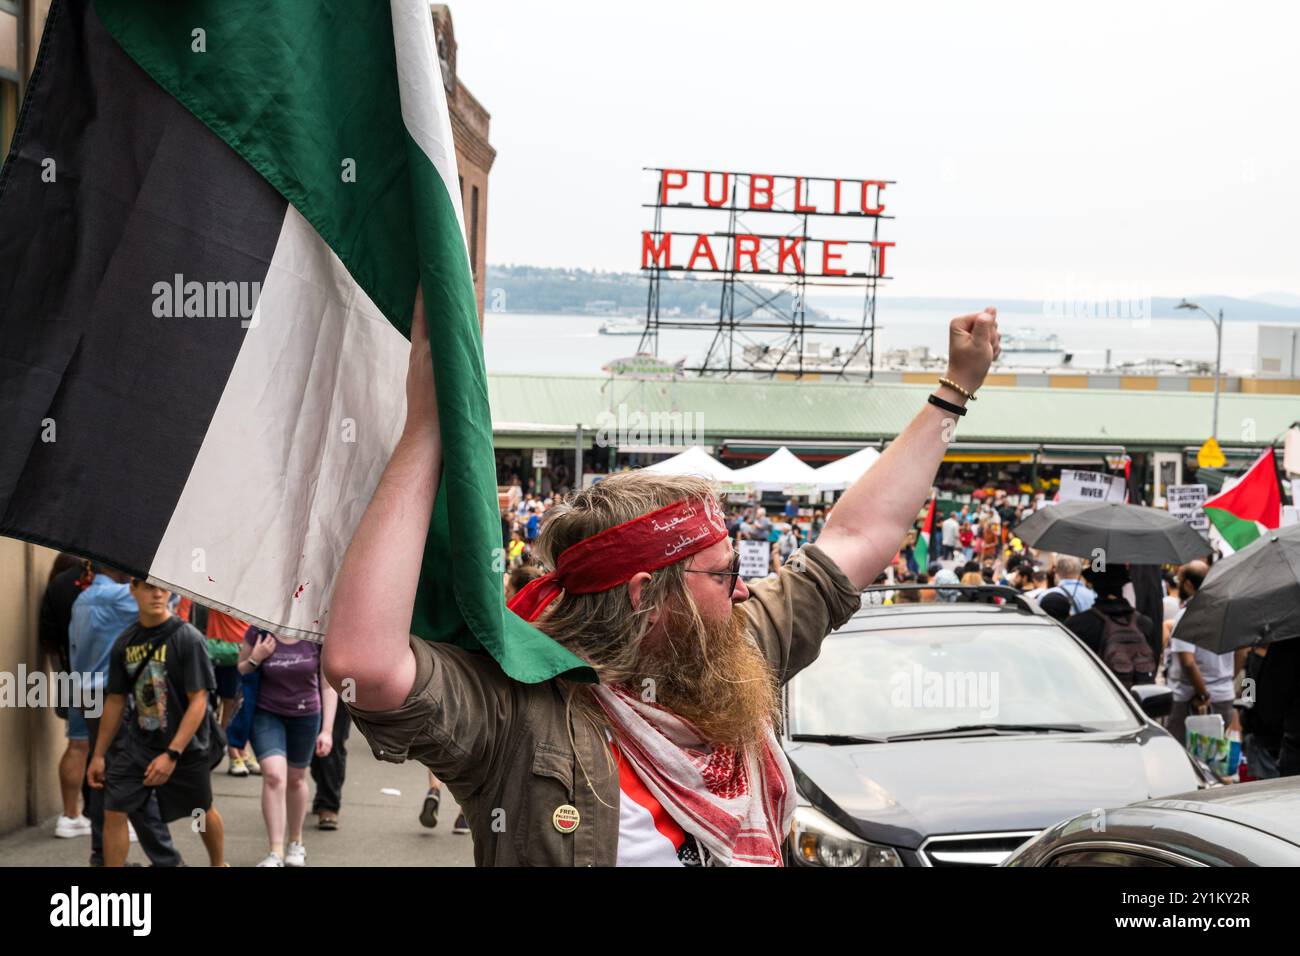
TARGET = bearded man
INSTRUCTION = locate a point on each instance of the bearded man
(672, 758)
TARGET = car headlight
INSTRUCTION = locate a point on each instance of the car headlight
(820, 841)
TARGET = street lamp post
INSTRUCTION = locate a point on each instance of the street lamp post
(1218, 357)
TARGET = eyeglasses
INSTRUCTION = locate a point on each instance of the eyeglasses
(729, 576)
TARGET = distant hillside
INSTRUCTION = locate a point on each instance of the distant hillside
(580, 291)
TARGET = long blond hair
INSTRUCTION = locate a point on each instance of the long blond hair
(604, 628)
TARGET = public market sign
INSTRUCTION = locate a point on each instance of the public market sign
(804, 251)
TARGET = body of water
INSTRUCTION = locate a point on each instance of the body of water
(573, 344)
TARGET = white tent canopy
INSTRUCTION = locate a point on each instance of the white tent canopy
(777, 472)
(838, 475)
(693, 461)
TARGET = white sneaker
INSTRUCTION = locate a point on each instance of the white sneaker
(69, 827)
(295, 855)
(130, 833)
(272, 859)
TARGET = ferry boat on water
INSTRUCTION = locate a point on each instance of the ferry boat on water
(1031, 340)
(622, 327)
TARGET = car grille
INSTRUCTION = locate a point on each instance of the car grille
(973, 849)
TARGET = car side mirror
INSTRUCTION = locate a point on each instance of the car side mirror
(1155, 701)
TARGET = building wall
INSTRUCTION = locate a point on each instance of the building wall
(31, 739)
(474, 154)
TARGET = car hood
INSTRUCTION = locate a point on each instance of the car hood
(901, 793)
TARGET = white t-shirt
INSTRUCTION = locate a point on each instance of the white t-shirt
(1171, 607)
(647, 835)
(1216, 669)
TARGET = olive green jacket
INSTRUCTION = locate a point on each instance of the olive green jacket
(512, 757)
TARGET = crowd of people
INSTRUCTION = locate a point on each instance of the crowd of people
(182, 687)
(1126, 615)
(146, 761)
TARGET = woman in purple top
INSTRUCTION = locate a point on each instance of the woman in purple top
(293, 719)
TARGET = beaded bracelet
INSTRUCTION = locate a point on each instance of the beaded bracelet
(969, 396)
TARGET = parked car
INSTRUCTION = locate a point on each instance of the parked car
(949, 734)
(1250, 824)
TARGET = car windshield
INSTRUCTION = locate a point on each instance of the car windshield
(914, 680)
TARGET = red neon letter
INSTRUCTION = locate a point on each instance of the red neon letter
(881, 246)
(828, 257)
(755, 189)
(789, 249)
(665, 184)
(651, 253)
(726, 190)
(702, 249)
(752, 251)
(798, 201)
(880, 187)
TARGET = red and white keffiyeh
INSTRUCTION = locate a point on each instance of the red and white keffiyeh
(738, 804)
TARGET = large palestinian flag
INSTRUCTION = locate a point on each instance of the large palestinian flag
(213, 222)
(1251, 505)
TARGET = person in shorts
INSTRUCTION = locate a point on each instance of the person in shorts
(293, 720)
(161, 663)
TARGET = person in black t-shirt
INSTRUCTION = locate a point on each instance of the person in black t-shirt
(161, 663)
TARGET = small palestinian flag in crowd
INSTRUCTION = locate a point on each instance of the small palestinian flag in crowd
(922, 550)
(213, 223)
(1250, 507)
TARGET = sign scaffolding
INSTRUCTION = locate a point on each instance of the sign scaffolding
(772, 251)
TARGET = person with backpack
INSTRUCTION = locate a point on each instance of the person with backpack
(1078, 595)
(1114, 630)
(1200, 679)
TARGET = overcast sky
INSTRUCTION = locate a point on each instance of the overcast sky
(1132, 146)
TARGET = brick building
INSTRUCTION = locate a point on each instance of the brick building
(474, 155)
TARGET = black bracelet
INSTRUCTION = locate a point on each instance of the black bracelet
(946, 405)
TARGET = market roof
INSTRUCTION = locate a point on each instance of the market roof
(711, 410)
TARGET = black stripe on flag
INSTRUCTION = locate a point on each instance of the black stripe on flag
(141, 192)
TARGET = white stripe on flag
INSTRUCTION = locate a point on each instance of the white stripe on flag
(282, 479)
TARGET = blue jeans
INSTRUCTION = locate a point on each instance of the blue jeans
(241, 724)
(293, 738)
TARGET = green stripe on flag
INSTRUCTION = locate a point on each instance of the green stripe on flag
(1238, 532)
(302, 90)
(922, 552)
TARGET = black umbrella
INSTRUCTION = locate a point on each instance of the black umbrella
(1124, 534)
(1251, 597)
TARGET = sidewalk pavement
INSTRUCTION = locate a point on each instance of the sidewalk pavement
(375, 828)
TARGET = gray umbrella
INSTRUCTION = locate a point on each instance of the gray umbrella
(1125, 534)
(1251, 597)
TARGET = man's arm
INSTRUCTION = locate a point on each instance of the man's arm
(368, 641)
(160, 768)
(1193, 673)
(866, 525)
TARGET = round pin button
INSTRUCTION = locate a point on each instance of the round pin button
(565, 818)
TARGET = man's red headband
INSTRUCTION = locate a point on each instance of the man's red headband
(613, 556)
